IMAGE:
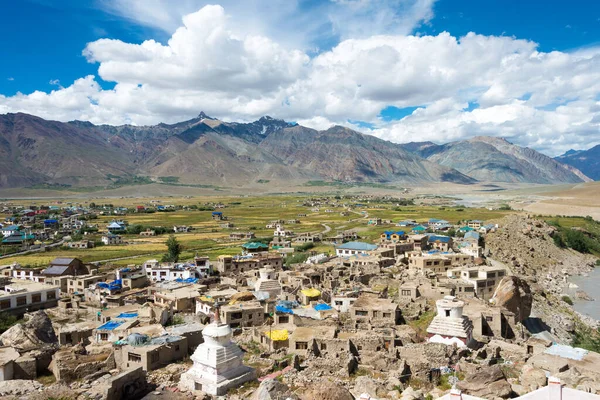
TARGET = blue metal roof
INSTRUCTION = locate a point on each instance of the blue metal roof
(438, 238)
(359, 246)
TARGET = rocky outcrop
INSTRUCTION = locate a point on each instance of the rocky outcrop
(325, 389)
(486, 382)
(271, 389)
(36, 333)
(514, 294)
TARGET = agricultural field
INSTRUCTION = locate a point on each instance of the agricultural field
(208, 238)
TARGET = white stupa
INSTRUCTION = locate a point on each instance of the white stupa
(218, 363)
(268, 283)
(450, 326)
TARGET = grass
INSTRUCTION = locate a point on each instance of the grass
(420, 325)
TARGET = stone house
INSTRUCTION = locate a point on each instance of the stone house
(373, 311)
(245, 314)
(72, 334)
(156, 353)
(305, 338)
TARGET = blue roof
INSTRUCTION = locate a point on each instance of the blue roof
(472, 235)
(360, 246)
(564, 351)
(439, 238)
(110, 325)
(322, 307)
(51, 221)
(11, 228)
(217, 213)
(284, 310)
(127, 315)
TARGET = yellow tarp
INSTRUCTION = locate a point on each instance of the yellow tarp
(277, 335)
(311, 292)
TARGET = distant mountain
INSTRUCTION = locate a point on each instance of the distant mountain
(587, 161)
(205, 150)
(497, 160)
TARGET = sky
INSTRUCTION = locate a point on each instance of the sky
(402, 70)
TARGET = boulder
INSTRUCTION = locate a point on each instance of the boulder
(486, 382)
(35, 333)
(364, 384)
(514, 294)
(532, 378)
(271, 389)
(325, 389)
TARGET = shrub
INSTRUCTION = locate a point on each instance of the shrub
(567, 300)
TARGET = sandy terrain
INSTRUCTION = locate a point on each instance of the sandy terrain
(582, 199)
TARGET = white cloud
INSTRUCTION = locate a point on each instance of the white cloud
(10, 78)
(548, 101)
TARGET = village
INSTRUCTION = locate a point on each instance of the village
(357, 297)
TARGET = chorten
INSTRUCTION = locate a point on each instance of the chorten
(450, 326)
(268, 283)
(218, 363)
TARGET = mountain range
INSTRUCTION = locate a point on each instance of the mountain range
(587, 161)
(208, 151)
(493, 159)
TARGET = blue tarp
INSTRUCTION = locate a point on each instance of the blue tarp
(322, 307)
(127, 315)
(284, 310)
(110, 325)
(187, 280)
(103, 285)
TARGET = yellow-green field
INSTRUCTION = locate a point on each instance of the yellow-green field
(246, 213)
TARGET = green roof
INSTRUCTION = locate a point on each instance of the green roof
(255, 245)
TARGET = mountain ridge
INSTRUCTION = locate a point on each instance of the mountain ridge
(206, 150)
(587, 161)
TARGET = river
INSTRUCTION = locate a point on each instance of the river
(591, 285)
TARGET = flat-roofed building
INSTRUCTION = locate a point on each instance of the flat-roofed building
(21, 296)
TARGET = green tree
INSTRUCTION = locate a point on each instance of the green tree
(173, 250)
(6, 321)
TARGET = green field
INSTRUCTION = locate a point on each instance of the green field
(246, 213)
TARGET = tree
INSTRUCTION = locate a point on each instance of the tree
(173, 250)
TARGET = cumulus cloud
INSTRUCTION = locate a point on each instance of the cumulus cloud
(467, 86)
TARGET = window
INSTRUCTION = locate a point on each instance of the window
(104, 336)
(132, 357)
(447, 313)
(4, 304)
(361, 313)
(284, 319)
(21, 300)
(236, 315)
(339, 303)
(489, 318)
(387, 315)
(405, 292)
(301, 345)
(500, 273)
(323, 346)
(51, 295)
(492, 275)
(36, 298)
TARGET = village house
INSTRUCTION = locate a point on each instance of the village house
(244, 314)
(483, 279)
(79, 332)
(392, 236)
(152, 353)
(352, 248)
(159, 272)
(81, 244)
(373, 311)
(77, 284)
(148, 232)
(475, 224)
(305, 338)
(181, 229)
(112, 239)
(180, 297)
(218, 216)
(244, 263)
(63, 266)
(308, 238)
(117, 227)
(241, 235)
(438, 242)
(21, 296)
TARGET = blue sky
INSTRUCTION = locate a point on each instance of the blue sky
(315, 62)
(42, 41)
